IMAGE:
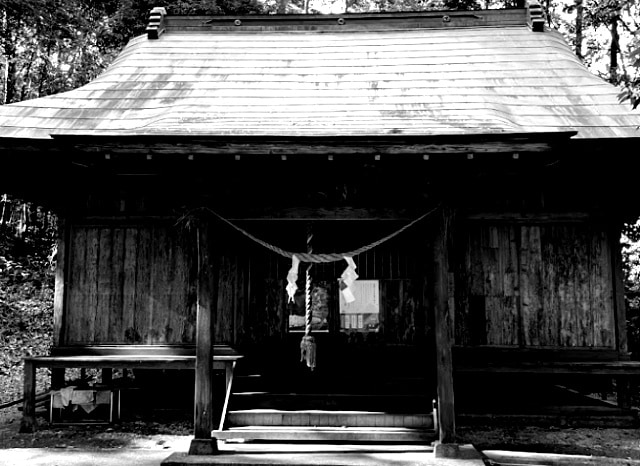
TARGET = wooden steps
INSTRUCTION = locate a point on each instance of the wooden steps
(320, 418)
(396, 403)
(326, 434)
(276, 409)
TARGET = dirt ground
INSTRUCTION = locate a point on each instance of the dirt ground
(157, 433)
(174, 431)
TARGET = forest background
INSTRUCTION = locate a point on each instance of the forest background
(52, 46)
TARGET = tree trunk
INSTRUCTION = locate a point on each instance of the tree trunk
(282, 7)
(579, 16)
(613, 63)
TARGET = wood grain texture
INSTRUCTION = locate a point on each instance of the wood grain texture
(76, 285)
(308, 76)
(130, 286)
(443, 323)
(536, 285)
(205, 334)
(618, 293)
(61, 291)
(106, 288)
(90, 310)
(144, 300)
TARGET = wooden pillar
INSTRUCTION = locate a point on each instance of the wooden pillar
(443, 321)
(59, 299)
(28, 423)
(203, 443)
(618, 291)
(623, 384)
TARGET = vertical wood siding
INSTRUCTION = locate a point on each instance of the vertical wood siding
(130, 285)
(136, 284)
(536, 286)
(252, 302)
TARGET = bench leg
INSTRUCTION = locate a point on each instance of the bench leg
(28, 423)
(107, 376)
(623, 389)
(57, 378)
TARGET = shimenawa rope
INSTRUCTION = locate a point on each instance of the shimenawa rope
(309, 256)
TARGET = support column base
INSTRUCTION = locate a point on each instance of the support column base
(455, 451)
(201, 447)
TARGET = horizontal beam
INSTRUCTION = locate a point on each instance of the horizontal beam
(537, 217)
(339, 145)
(612, 368)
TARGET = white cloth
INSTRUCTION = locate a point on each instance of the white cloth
(348, 277)
(66, 394)
(292, 277)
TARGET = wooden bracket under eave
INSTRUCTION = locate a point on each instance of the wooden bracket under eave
(535, 15)
(156, 22)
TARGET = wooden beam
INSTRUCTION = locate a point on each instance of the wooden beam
(203, 443)
(274, 213)
(620, 311)
(59, 298)
(443, 329)
(418, 146)
(533, 217)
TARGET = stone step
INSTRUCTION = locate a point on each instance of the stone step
(323, 418)
(326, 434)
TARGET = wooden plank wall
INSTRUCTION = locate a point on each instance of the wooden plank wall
(136, 284)
(129, 284)
(252, 302)
(535, 286)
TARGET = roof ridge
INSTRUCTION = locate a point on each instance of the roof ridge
(532, 15)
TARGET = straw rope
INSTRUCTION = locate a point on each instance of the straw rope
(310, 256)
(308, 284)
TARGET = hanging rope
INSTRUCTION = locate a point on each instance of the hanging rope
(307, 288)
(308, 343)
(309, 256)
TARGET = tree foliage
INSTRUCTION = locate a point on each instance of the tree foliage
(604, 34)
(27, 255)
(631, 264)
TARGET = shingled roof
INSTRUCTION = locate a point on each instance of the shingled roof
(437, 73)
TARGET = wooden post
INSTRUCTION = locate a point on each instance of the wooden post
(28, 423)
(443, 330)
(60, 282)
(623, 384)
(203, 443)
(59, 299)
(618, 292)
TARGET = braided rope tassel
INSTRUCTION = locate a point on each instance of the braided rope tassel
(308, 343)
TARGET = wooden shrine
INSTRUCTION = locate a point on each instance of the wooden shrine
(462, 160)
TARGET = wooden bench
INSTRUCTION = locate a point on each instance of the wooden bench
(578, 361)
(120, 357)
